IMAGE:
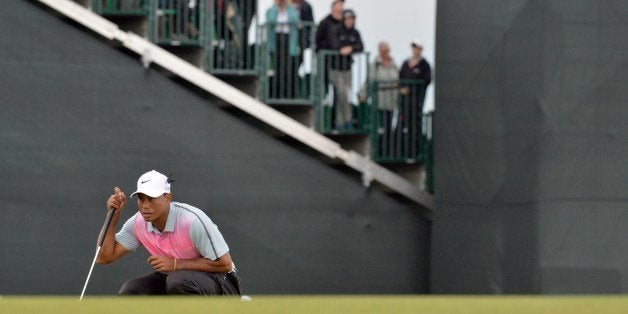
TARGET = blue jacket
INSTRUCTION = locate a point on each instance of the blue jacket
(293, 19)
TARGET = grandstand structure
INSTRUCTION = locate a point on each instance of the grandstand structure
(225, 56)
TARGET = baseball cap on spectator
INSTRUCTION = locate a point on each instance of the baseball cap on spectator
(416, 42)
(153, 184)
(348, 13)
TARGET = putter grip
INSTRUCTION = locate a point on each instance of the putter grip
(105, 227)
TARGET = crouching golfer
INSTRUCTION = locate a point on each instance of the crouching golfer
(188, 253)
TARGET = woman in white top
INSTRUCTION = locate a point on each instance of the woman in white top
(283, 48)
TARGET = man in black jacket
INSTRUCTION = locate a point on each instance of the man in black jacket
(307, 15)
(324, 26)
(346, 40)
(323, 31)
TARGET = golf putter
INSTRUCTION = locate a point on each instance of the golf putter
(101, 239)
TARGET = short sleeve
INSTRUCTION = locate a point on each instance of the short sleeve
(126, 236)
(207, 238)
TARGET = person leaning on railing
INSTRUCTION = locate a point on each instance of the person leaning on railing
(414, 71)
(416, 67)
(347, 40)
(384, 73)
(383, 70)
(323, 33)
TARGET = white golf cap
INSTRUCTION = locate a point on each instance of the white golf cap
(152, 184)
(416, 42)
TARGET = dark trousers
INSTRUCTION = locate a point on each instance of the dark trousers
(183, 282)
(386, 134)
(411, 118)
(286, 67)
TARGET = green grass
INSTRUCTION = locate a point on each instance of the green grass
(319, 304)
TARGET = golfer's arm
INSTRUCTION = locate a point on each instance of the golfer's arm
(222, 265)
(111, 250)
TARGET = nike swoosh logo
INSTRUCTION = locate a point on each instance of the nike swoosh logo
(146, 181)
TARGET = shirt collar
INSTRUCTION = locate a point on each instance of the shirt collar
(171, 221)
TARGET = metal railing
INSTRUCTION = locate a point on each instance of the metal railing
(429, 153)
(338, 81)
(401, 131)
(286, 75)
(232, 37)
(121, 7)
(177, 22)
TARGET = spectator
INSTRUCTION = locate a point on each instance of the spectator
(325, 25)
(193, 19)
(383, 70)
(385, 73)
(178, 20)
(306, 15)
(346, 39)
(416, 67)
(249, 10)
(227, 40)
(283, 48)
(322, 37)
(413, 94)
(305, 43)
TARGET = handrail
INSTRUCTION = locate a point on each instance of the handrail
(400, 128)
(336, 74)
(153, 53)
(175, 23)
(117, 7)
(284, 60)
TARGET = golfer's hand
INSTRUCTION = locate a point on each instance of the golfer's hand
(161, 264)
(117, 200)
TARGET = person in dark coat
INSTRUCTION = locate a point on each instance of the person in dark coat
(307, 15)
(325, 25)
(416, 67)
(415, 75)
(321, 37)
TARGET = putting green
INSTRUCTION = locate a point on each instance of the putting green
(319, 304)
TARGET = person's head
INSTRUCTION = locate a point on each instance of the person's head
(336, 9)
(417, 48)
(348, 18)
(153, 195)
(384, 50)
(281, 3)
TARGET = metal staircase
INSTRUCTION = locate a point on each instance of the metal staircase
(151, 53)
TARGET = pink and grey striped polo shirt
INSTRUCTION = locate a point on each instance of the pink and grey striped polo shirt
(188, 234)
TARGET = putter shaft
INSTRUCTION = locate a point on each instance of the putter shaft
(90, 273)
(101, 240)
